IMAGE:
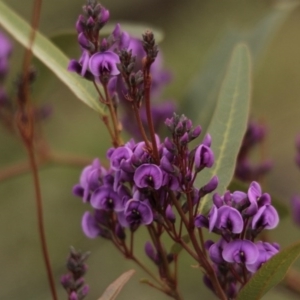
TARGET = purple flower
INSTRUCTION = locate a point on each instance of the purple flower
(266, 251)
(170, 214)
(204, 158)
(118, 156)
(105, 198)
(215, 251)
(80, 67)
(90, 179)
(151, 253)
(295, 203)
(135, 213)
(229, 219)
(104, 64)
(266, 218)
(240, 251)
(90, 226)
(148, 175)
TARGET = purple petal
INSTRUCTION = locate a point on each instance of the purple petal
(230, 219)
(106, 198)
(148, 175)
(90, 226)
(212, 216)
(266, 217)
(104, 62)
(240, 251)
(254, 192)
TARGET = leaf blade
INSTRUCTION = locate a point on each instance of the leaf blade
(270, 274)
(112, 291)
(51, 56)
(230, 118)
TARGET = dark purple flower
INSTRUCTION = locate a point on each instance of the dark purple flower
(81, 67)
(240, 251)
(89, 226)
(265, 218)
(204, 158)
(148, 175)
(201, 221)
(106, 198)
(135, 213)
(104, 64)
(295, 204)
(229, 219)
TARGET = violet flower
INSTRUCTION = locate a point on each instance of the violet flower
(240, 251)
(135, 213)
(104, 64)
(148, 176)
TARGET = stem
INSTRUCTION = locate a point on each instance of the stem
(140, 125)
(24, 167)
(41, 229)
(147, 87)
(117, 139)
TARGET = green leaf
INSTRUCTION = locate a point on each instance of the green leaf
(114, 288)
(204, 89)
(270, 274)
(282, 209)
(51, 56)
(176, 247)
(229, 121)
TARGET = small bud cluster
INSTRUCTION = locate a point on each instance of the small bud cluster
(238, 218)
(118, 62)
(73, 281)
(245, 169)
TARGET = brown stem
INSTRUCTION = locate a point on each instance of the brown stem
(117, 139)
(147, 87)
(292, 280)
(140, 125)
(41, 229)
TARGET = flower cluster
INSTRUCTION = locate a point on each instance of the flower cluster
(139, 188)
(73, 281)
(100, 62)
(238, 218)
(245, 170)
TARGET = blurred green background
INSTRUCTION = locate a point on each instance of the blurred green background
(194, 29)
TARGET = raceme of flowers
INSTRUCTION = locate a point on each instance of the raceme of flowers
(153, 183)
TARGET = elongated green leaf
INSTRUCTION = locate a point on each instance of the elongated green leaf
(51, 56)
(204, 89)
(281, 207)
(229, 121)
(114, 288)
(270, 274)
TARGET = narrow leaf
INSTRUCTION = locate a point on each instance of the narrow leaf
(229, 121)
(114, 288)
(51, 56)
(281, 207)
(270, 274)
(204, 89)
